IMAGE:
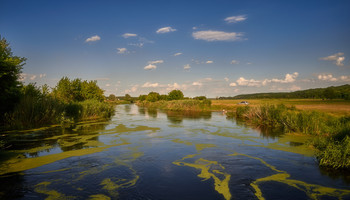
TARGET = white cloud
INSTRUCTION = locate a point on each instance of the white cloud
(32, 77)
(187, 66)
(234, 62)
(209, 62)
(177, 54)
(127, 35)
(345, 78)
(226, 79)
(289, 78)
(155, 62)
(93, 38)
(244, 82)
(165, 30)
(122, 50)
(327, 77)
(216, 36)
(233, 84)
(148, 85)
(42, 75)
(150, 66)
(235, 19)
(107, 85)
(197, 84)
(294, 88)
(133, 89)
(338, 58)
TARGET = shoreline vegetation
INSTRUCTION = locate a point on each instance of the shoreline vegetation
(330, 131)
(71, 101)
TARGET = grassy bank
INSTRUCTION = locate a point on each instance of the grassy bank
(34, 112)
(178, 105)
(332, 133)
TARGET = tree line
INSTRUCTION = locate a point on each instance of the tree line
(333, 92)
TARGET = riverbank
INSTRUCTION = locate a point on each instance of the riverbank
(327, 122)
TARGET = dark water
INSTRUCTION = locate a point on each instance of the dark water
(148, 154)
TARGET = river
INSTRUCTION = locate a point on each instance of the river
(150, 154)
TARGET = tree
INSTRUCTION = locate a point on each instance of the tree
(142, 97)
(10, 70)
(175, 95)
(112, 97)
(77, 90)
(200, 98)
(329, 93)
(153, 97)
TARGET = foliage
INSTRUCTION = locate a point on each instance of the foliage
(128, 98)
(175, 95)
(37, 108)
(200, 98)
(77, 90)
(339, 92)
(112, 97)
(10, 70)
(178, 105)
(153, 97)
(142, 97)
(333, 133)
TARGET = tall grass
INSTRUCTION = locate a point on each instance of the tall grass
(36, 111)
(178, 105)
(332, 141)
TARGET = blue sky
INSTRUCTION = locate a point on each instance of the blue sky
(212, 48)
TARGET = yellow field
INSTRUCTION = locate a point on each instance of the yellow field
(334, 107)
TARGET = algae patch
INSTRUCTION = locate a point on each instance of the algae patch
(313, 191)
(52, 194)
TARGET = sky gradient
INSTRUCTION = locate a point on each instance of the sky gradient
(211, 48)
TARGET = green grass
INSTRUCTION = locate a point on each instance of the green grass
(332, 134)
(178, 105)
(34, 112)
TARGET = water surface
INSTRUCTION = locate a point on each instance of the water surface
(149, 154)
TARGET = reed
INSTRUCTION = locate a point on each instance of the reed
(332, 134)
(178, 105)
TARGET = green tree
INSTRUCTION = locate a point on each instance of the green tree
(153, 97)
(329, 93)
(142, 97)
(77, 90)
(112, 97)
(200, 98)
(10, 70)
(175, 95)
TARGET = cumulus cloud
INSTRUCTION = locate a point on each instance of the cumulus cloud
(177, 54)
(155, 62)
(226, 79)
(235, 19)
(187, 66)
(150, 66)
(244, 82)
(338, 58)
(216, 36)
(234, 62)
(209, 62)
(289, 78)
(327, 77)
(132, 89)
(107, 85)
(233, 84)
(294, 88)
(150, 85)
(93, 38)
(197, 84)
(122, 50)
(165, 30)
(42, 75)
(127, 35)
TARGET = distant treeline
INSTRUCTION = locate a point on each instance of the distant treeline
(334, 92)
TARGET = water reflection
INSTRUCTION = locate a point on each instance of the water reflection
(127, 158)
(176, 117)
